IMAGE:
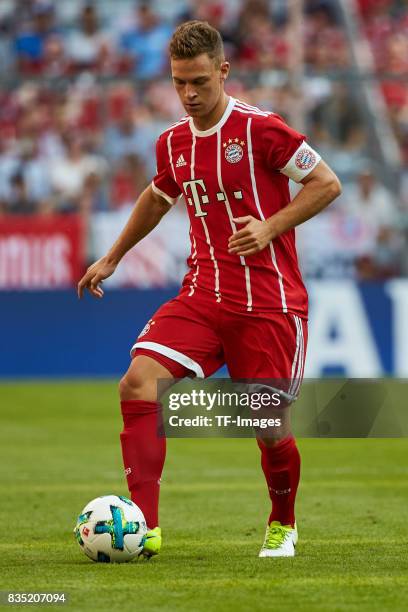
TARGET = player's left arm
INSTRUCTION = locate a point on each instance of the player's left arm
(321, 186)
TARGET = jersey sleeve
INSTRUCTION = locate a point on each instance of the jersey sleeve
(164, 183)
(286, 150)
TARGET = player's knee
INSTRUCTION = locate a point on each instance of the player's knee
(272, 442)
(125, 388)
(141, 380)
(269, 442)
(135, 386)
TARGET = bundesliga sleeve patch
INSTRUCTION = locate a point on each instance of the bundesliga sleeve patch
(303, 161)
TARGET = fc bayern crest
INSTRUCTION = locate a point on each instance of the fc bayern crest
(234, 153)
(233, 149)
(305, 159)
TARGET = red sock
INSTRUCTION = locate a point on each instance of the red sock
(281, 466)
(144, 451)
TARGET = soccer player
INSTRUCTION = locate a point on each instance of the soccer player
(243, 301)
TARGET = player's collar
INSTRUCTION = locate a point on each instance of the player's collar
(212, 130)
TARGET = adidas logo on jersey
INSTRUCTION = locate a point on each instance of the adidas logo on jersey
(181, 161)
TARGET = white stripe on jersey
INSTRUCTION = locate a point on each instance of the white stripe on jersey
(248, 288)
(304, 355)
(299, 373)
(298, 359)
(297, 376)
(167, 351)
(194, 257)
(250, 107)
(295, 358)
(170, 154)
(258, 205)
(231, 220)
(182, 120)
(161, 193)
(207, 235)
(249, 111)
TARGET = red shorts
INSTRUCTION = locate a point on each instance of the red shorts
(196, 335)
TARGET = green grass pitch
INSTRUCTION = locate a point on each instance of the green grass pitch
(59, 448)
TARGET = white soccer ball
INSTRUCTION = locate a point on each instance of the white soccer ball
(111, 529)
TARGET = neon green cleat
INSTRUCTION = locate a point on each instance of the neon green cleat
(153, 542)
(280, 540)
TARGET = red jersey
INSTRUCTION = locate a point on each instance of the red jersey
(238, 167)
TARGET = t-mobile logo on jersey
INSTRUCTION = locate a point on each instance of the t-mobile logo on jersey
(196, 198)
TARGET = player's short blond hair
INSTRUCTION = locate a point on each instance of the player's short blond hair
(192, 38)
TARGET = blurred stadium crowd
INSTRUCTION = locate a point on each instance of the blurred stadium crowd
(85, 92)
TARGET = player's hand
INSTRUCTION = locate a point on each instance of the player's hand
(94, 276)
(254, 237)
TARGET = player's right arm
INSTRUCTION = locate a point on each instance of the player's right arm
(148, 211)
